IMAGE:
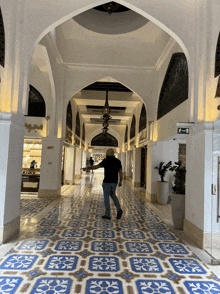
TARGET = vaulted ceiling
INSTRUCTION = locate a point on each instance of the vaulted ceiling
(95, 38)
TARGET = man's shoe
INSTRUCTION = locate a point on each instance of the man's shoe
(119, 214)
(106, 217)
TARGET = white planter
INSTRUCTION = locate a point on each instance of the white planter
(178, 210)
(162, 192)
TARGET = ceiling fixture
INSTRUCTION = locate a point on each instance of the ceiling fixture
(106, 111)
(111, 7)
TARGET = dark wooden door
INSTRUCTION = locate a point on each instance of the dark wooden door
(143, 166)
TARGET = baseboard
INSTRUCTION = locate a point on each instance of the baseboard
(9, 230)
(68, 182)
(194, 233)
(47, 193)
(151, 197)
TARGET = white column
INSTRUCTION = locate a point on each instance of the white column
(11, 141)
(50, 174)
(199, 178)
(137, 167)
(127, 166)
(68, 166)
(78, 163)
(152, 174)
(123, 163)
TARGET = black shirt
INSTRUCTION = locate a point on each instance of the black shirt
(91, 161)
(111, 166)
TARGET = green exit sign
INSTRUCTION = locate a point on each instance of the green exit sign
(183, 131)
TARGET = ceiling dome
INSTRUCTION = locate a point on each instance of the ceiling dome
(116, 23)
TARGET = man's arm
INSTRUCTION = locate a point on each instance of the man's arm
(91, 167)
(120, 177)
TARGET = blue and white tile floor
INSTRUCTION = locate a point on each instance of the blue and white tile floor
(73, 250)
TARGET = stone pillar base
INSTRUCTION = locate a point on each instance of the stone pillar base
(9, 230)
(151, 197)
(194, 233)
(136, 184)
(68, 182)
(203, 239)
(46, 193)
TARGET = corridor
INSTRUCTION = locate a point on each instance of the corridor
(71, 249)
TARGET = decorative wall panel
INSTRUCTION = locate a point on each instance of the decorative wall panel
(133, 126)
(2, 40)
(77, 130)
(126, 134)
(217, 58)
(69, 116)
(36, 104)
(83, 133)
(174, 90)
(143, 119)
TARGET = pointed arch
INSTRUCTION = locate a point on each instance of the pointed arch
(77, 130)
(69, 118)
(2, 40)
(104, 140)
(36, 103)
(133, 127)
(217, 58)
(143, 119)
(174, 90)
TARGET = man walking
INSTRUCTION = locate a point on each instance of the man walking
(112, 167)
(91, 162)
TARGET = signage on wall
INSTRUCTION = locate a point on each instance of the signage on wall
(183, 131)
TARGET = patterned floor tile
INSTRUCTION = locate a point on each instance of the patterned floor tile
(33, 245)
(103, 234)
(103, 246)
(102, 286)
(52, 285)
(129, 225)
(18, 262)
(77, 224)
(150, 265)
(104, 264)
(73, 250)
(203, 287)
(187, 266)
(73, 233)
(173, 248)
(154, 287)
(133, 235)
(138, 247)
(104, 224)
(61, 262)
(66, 245)
(163, 236)
(9, 284)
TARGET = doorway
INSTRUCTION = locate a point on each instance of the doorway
(143, 166)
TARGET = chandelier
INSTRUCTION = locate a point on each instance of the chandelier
(106, 111)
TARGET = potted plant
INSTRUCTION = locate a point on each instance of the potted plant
(178, 197)
(163, 186)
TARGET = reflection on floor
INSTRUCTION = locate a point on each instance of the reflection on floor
(73, 250)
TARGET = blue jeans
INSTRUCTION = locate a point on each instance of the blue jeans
(109, 190)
